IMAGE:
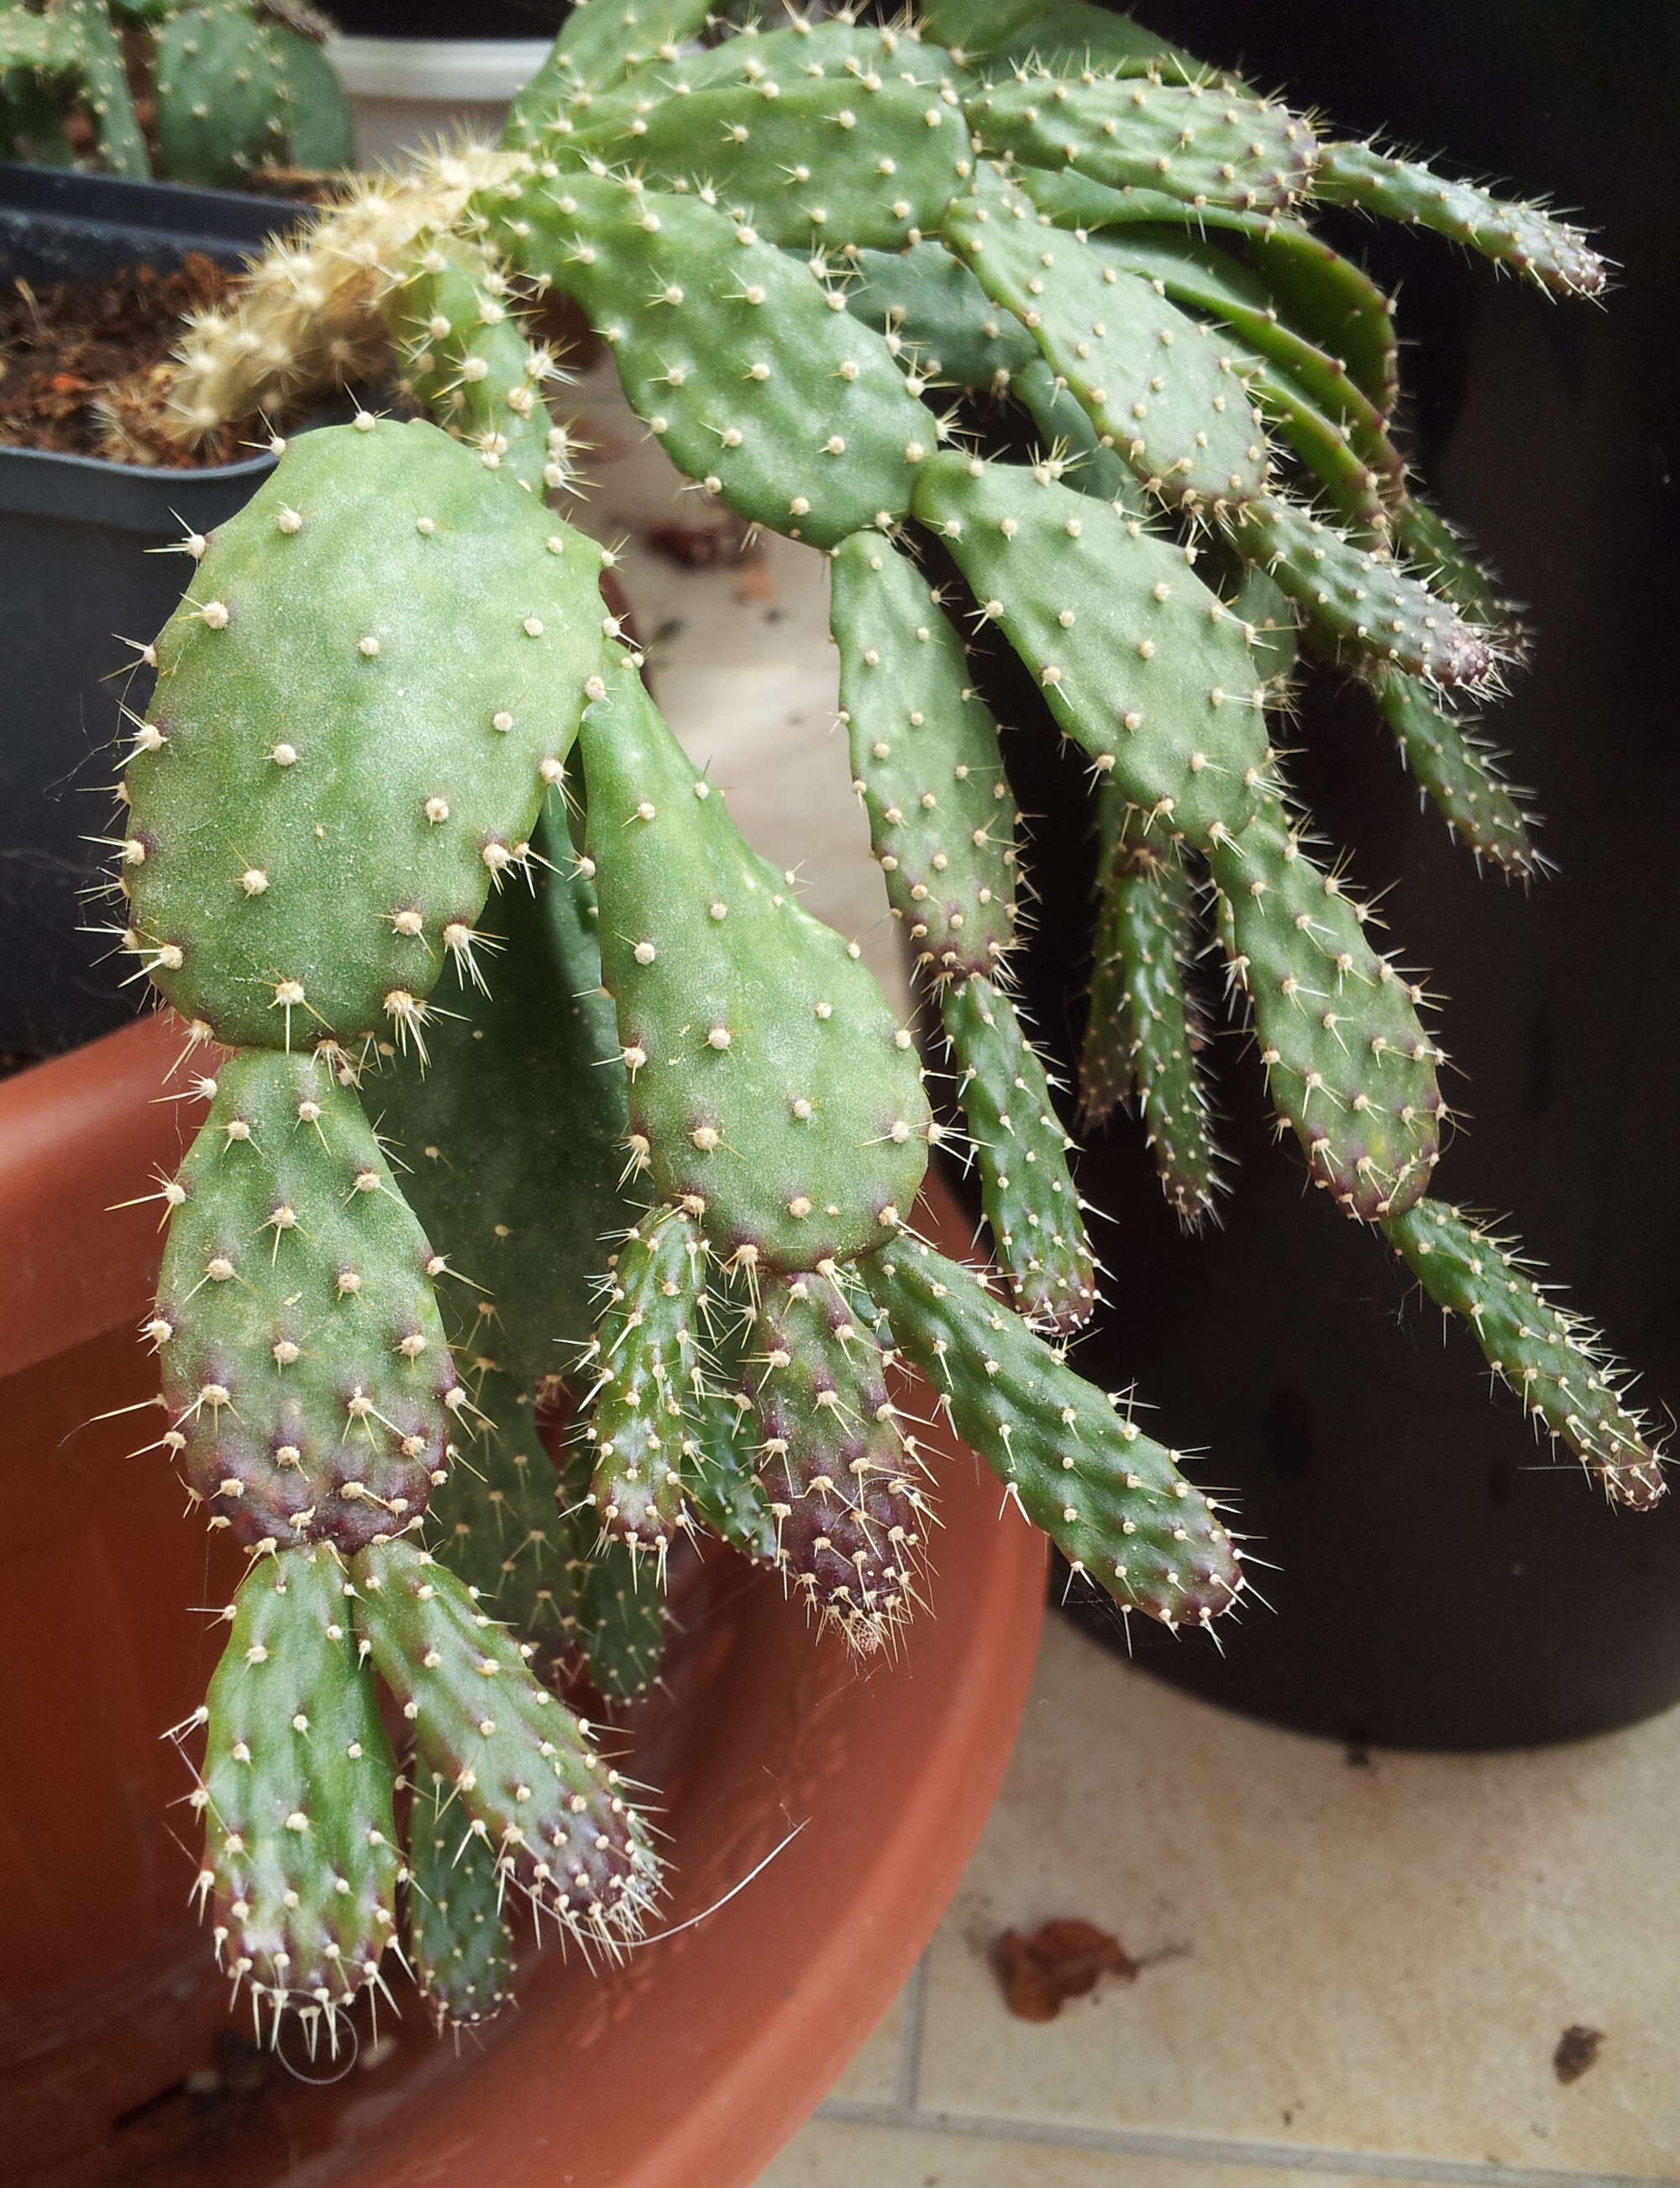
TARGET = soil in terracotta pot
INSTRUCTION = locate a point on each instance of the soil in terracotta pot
(83, 364)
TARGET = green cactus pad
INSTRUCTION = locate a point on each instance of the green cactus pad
(493, 1521)
(837, 49)
(122, 146)
(1443, 560)
(1527, 238)
(466, 359)
(746, 367)
(320, 127)
(1363, 604)
(603, 41)
(325, 792)
(770, 1084)
(1201, 143)
(615, 1625)
(1063, 36)
(856, 161)
(1459, 773)
(1162, 387)
(1204, 279)
(1553, 1360)
(1145, 1035)
(1072, 448)
(851, 1522)
(220, 112)
(1349, 1065)
(310, 1389)
(512, 1138)
(301, 1861)
(643, 1360)
(458, 1943)
(1144, 667)
(1332, 299)
(526, 1775)
(1112, 1499)
(1026, 1188)
(925, 761)
(718, 1460)
(933, 313)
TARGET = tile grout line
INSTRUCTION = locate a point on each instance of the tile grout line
(1144, 2142)
(908, 2090)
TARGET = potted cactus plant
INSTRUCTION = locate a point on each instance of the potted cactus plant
(519, 1070)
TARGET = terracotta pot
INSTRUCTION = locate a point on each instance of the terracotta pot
(690, 2064)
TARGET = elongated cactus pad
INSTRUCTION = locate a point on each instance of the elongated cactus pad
(934, 312)
(1348, 1062)
(1145, 1033)
(1064, 36)
(1527, 238)
(1454, 766)
(925, 761)
(466, 359)
(771, 1086)
(745, 367)
(1202, 143)
(122, 146)
(868, 160)
(1554, 1360)
(718, 1458)
(493, 1521)
(616, 1625)
(301, 1861)
(643, 1362)
(459, 1942)
(1072, 448)
(310, 1390)
(512, 1138)
(1161, 385)
(1110, 1497)
(1026, 1187)
(529, 1782)
(325, 792)
(840, 1483)
(1143, 666)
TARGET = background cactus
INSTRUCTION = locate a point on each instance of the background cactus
(232, 86)
(408, 825)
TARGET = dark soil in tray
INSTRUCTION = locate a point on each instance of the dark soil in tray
(83, 364)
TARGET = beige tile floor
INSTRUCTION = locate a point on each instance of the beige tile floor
(1370, 1968)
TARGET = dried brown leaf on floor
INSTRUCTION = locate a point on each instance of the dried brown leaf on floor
(1042, 1970)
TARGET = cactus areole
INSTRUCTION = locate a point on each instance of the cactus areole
(522, 1071)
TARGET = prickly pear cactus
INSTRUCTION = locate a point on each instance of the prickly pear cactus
(1019, 315)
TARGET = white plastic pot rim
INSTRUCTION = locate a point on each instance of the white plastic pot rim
(448, 70)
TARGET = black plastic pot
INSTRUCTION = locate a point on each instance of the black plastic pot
(1442, 1581)
(74, 532)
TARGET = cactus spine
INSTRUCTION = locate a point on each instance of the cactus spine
(664, 1133)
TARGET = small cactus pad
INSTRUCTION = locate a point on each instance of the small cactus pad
(862, 160)
(1145, 1033)
(1026, 1188)
(325, 789)
(840, 1480)
(1455, 767)
(1065, 36)
(1202, 143)
(466, 360)
(512, 1138)
(1553, 1360)
(1144, 667)
(1110, 1498)
(925, 761)
(1333, 300)
(615, 1628)
(718, 1460)
(458, 1943)
(493, 1522)
(219, 111)
(1349, 1065)
(644, 1359)
(300, 1860)
(933, 313)
(527, 1778)
(1070, 447)
(1362, 602)
(603, 40)
(310, 1390)
(745, 365)
(771, 1086)
(1164, 389)
(838, 49)
(110, 105)
(1527, 238)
